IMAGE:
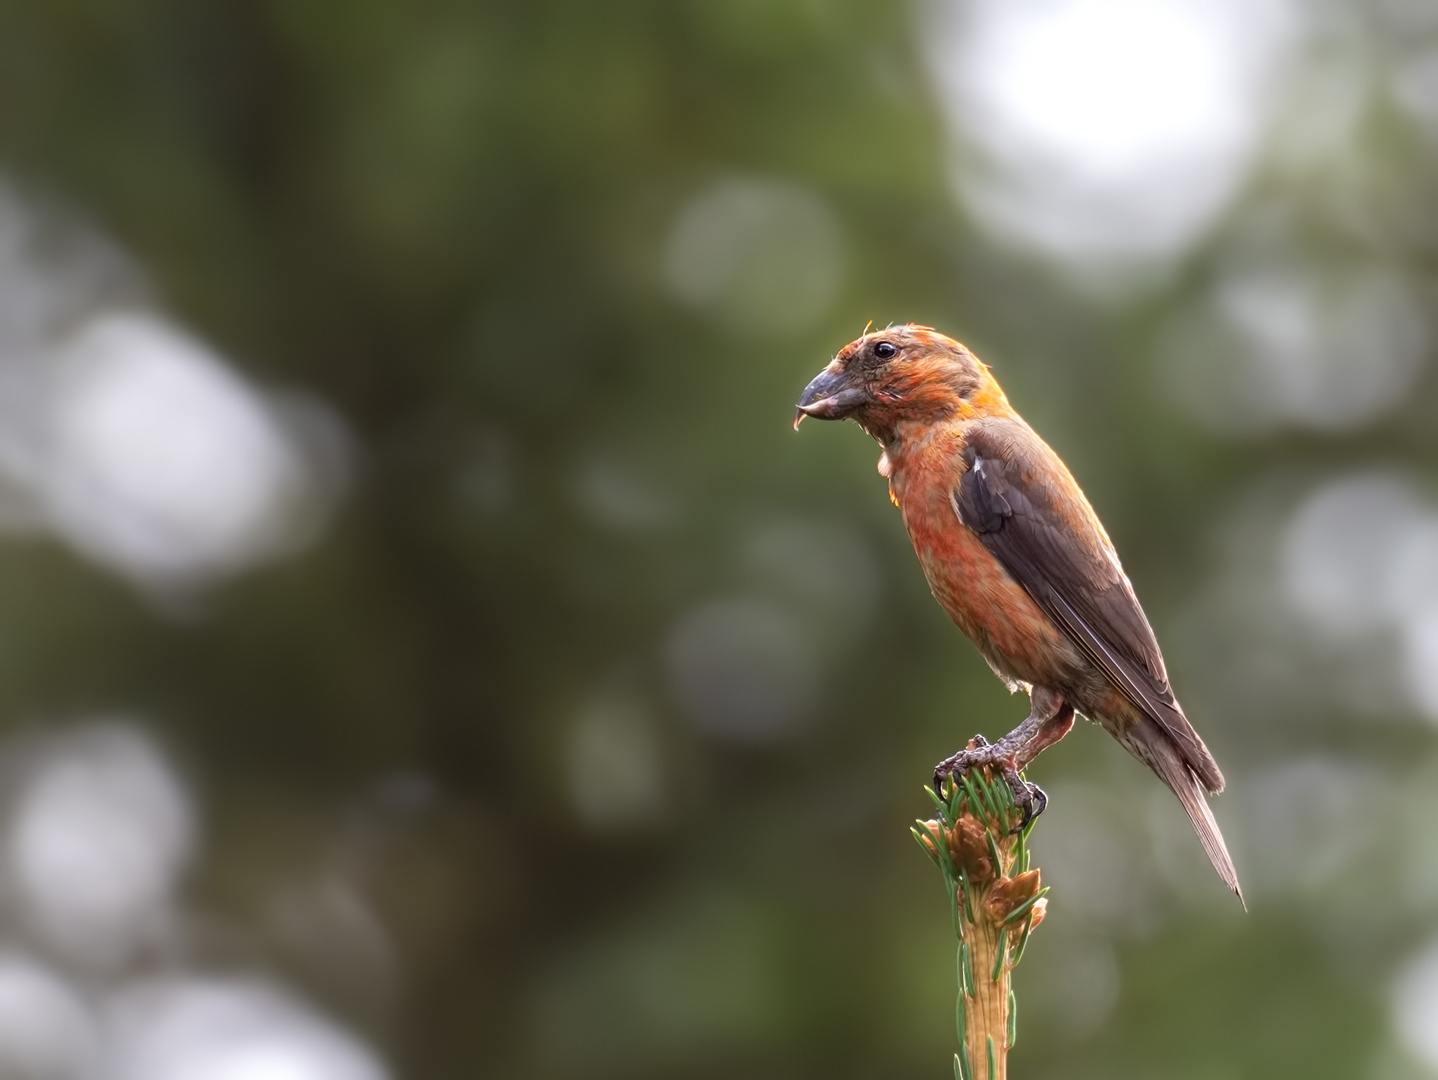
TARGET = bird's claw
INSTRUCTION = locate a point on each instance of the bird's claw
(1033, 803)
(1029, 798)
(978, 753)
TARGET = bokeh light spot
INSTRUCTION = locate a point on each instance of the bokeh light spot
(759, 255)
(199, 1029)
(1330, 348)
(101, 831)
(46, 1029)
(743, 668)
(616, 762)
(1109, 130)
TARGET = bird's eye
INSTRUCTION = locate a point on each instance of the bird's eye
(886, 350)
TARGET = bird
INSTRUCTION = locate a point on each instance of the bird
(1016, 556)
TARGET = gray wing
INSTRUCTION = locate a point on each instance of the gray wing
(1046, 536)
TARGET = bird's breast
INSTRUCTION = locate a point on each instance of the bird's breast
(1018, 640)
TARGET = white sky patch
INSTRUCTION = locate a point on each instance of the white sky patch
(1115, 130)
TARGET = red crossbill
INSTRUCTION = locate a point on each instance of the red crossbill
(1017, 557)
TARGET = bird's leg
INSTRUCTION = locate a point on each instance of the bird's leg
(1050, 719)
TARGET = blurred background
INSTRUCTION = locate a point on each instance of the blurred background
(426, 651)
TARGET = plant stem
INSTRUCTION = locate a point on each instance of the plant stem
(988, 1006)
(996, 902)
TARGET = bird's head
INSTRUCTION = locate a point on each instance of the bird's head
(903, 373)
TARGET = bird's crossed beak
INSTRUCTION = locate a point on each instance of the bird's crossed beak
(830, 397)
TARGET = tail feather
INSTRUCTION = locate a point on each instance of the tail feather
(1190, 747)
(1164, 758)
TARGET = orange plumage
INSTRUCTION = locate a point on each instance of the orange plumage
(1017, 557)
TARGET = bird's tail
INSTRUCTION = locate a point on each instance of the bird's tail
(1155, 749)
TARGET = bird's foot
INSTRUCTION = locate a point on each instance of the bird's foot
(1029, 798)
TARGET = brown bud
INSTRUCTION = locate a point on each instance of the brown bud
(1010, 893)
(933, 831)
(968, 843)
(1039, 908)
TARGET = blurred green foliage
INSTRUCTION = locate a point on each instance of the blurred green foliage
(449, 222)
